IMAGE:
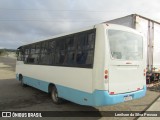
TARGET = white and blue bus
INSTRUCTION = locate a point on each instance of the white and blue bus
(101, 65)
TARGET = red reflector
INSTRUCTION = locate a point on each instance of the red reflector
(111, 93)
(138, 88)
(105, 76)
(106, 71)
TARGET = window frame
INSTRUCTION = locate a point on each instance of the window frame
(75, 37)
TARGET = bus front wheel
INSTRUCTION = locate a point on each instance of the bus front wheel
(54, 95)
(21, 80)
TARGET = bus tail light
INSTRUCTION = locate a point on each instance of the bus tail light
(111, 93)
(106, 74)
(138, 88)
(144, 72)
(106, 71)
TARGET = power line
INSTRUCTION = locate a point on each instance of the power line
(7, 20)
(51, 10)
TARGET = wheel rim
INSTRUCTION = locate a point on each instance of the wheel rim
(54, 95)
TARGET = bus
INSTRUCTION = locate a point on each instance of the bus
(101, 65)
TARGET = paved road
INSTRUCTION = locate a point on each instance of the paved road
(17, 98)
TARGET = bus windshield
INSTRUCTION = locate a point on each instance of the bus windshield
(125, 45)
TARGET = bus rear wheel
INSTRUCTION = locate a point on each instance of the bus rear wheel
(54, 95)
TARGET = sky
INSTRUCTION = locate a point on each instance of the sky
(26, 21)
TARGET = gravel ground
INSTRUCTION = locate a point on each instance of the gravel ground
(17, 98)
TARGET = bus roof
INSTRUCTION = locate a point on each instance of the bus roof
(77, 31)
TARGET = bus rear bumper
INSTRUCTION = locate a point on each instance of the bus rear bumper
(96, 98)
(102, 98)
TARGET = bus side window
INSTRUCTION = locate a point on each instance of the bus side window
(70, 58)
(90, 40)
(90, 48)
(20, 55)
(81, 57)
(37, 53)
(80, 53)
(60, 51)
(51, 52)
(85, 49)
(47, 53)
(70, 51)
(70, 43)
(89, 59)
(75, 50)
(26, 54)
(29, 54)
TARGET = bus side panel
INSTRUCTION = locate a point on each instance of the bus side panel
(76, 96)
(74, 84)
(39, 84)
(77, 78)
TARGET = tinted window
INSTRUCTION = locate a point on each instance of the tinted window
(20, 54)
(85, 50)
(76, 50)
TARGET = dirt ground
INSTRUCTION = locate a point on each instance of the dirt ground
(14, 97)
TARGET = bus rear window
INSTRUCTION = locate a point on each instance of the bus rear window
(125, 45)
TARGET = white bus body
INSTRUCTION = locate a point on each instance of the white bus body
(150, 30)
(110, 80)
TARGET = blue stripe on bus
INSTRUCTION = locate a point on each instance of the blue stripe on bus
(97, 98)
(39, 84)
(76, 96)
(103, 98)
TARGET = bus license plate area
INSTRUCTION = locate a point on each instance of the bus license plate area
(127, 98)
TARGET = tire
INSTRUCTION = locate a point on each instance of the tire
(54, 95)
(21, 80)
